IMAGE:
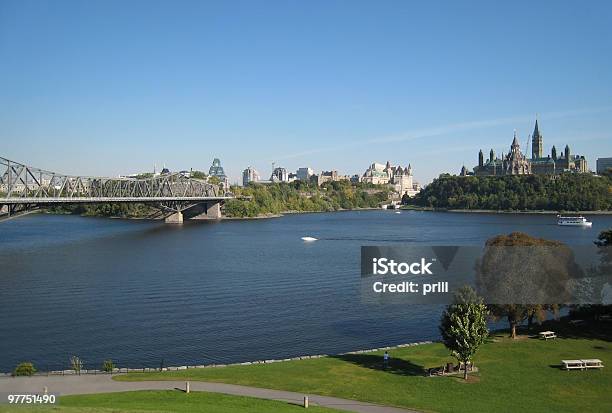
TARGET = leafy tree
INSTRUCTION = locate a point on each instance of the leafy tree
(24, 369)
(464, 326)
(602, 273)
(198, 175)
(515, 280)
(108, 366)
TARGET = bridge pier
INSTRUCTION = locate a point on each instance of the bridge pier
(176, 218)
(213, 210)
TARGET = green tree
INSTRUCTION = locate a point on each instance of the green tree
(198, 175)
(108, 366)
(24, 369)
(517, 269)
(464, 326)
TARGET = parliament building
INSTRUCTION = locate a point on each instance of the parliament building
(516, 163)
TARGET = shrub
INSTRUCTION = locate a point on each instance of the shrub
(108, 366)
(24, 369)
(76, 364)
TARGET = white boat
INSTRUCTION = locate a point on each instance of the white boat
(579, 221)
(309, 239)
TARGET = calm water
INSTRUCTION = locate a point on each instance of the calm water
(139, 292)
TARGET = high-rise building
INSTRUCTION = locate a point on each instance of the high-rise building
(249, 175)
(603, 164)
(304, 174)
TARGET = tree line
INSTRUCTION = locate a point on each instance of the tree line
(303, 196)
(564, 192)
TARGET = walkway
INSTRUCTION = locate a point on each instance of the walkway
(88, 384)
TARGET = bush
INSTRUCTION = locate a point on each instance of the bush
(24, 369)
(108, 366)
(76, 364)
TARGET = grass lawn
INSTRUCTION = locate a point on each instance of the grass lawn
(515, 375)
(163, 401)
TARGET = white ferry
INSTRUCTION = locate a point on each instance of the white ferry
(579, 221)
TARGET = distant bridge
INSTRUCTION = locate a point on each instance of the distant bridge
(24, 189)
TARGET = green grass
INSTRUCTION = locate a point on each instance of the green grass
(163, 401)
(514, 375)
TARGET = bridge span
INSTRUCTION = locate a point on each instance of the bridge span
(24, 189)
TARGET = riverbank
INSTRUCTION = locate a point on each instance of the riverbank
(493, 211)
(506, 368)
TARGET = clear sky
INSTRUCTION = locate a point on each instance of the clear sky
(114, 87)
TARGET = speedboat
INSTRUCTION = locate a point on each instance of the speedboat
(579, 221)
(309, 239)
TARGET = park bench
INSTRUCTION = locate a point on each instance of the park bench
(545, 335)
(582, 364)
(593, 364)
(573, 364)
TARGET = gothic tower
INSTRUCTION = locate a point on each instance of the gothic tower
(536, 143)
(480, 158)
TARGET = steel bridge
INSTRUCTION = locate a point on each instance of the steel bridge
(24, 189)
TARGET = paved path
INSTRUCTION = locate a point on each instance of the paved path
(88, 384)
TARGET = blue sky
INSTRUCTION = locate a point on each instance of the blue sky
(113, 87)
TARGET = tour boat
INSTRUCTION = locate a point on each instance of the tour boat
(573, 221)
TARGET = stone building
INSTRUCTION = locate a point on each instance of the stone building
(516, 163)
(398, 178)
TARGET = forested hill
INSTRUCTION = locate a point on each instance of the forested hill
(302, 196)
(565, 192)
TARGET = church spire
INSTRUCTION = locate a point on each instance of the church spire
(515, 140)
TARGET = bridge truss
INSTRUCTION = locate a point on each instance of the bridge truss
(24, 189)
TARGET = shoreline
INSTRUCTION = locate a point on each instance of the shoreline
(118, 370)
(542, 212)
(403, 208)
(493, 211)
(283, 213)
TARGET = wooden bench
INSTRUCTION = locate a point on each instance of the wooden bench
(545, 335)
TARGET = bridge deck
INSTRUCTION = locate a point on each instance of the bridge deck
(92, 200)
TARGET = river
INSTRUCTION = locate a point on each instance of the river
(140, 292)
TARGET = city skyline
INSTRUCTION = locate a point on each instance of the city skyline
(326, 85)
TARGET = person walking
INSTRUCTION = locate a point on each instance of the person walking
(385, 360)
